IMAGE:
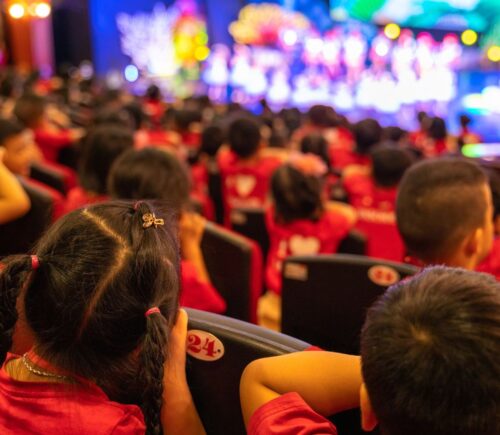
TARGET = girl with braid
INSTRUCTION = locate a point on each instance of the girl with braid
(99, 304)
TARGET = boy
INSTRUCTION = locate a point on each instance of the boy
(444, 213)
(438, 375)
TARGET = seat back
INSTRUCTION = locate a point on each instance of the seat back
(325, 297)
(215, 383)
(20, 235)
(49, 176)
(251, 222)
(215, 193)
(234, 264)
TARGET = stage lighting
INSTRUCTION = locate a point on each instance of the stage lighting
(469, 37)
(392, 31)
(17, 11)
(42, 10)
(290, 37)
(201, 53)
(493, 53)
(131, 73)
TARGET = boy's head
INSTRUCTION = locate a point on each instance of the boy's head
(19, 147)
(429, 352)
(316, 144)
(30, 110)
(367, 133)
(212, 139)
(444, 212)
(389, 164)
(437, 129)
(244, 137)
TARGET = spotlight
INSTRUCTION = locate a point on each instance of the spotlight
(469, 37)
(17, 11)
(42, 10)
(493, 53)
(392, 31)
(131, 73)
(290, 37)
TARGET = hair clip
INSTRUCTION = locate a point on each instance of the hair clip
(151, 311)
(35, 262)
(149, 219)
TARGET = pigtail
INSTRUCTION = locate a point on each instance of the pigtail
(151, 373)
(11, 282)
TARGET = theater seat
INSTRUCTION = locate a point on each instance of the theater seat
(214, 376)
(19, 236)
(325, 297)
(53, 175)
(234, 264)
(251, 223)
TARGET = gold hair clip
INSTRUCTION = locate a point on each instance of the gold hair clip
(149, 219)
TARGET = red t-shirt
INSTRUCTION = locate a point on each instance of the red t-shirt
(302, 237)
(51, 142)
(288, 415)
(198, 294)
(29, 408)
(245, 185)
(376, 216)
(78, 198)
(491, 264)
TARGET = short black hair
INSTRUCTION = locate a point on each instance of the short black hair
(212, 139)
(389, 164)
(296, 196)
(29, 109)
(150, 173)
(430, 351)
(316, 143)
(367, 133)
(244, 137)
(439, 202)
(437, 129)
(102, 146)
(8, 129)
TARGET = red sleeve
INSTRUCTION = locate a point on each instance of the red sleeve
(340, 224)
(288, 415)
(356, 184)
(130, 424)
(198, 294)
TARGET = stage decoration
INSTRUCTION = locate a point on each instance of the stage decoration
(165, 42)
(268, 24)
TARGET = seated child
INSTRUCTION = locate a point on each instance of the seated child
(100, 300)
(102, 146)
(245, 169)
(154, 174)
(299, 223)
(439, 375)
(31, 111)
(444, 213)
(373, 194)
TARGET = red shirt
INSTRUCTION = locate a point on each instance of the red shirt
(376, 216)
(244, 184)
(491, 264)
(78, 198)
(51, 142)
(29, 408)
(302, 237)
(288, 415)
(198, 294)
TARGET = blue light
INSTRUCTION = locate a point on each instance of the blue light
(131, 73)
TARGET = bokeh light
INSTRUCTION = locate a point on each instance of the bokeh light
(17, 11)
(392, 31)
(42, 10)
(131, 73)
(493, 53)
(469, 37)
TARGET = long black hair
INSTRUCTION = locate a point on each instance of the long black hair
(99, 271)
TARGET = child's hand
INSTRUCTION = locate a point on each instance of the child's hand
(191, 228)
(175, 365)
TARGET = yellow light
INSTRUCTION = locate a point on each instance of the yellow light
(42, 10)
(392, 31)
(494, 53)
(17, 11)
(469, 37)
(201, 53)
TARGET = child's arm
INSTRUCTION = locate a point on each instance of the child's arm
(14, 202)
(178, 415)
(329, 382)
(191, 231)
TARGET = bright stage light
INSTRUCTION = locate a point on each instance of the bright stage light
(392, 31)
(314, 46)
(493, 53)
(131, 73)
(201, 53)
(290, 37)
(469, 37)
(42, 10)
(17, 11)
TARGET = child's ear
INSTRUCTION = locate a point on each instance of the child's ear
(368, 418)
(473, 242)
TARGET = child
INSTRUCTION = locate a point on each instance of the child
(438, 375)
(245, 169)
(373, 194)
(300, 223)
(100, 298)
(102, 146)
(154, 174)
(444, 213)
(14, 202)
